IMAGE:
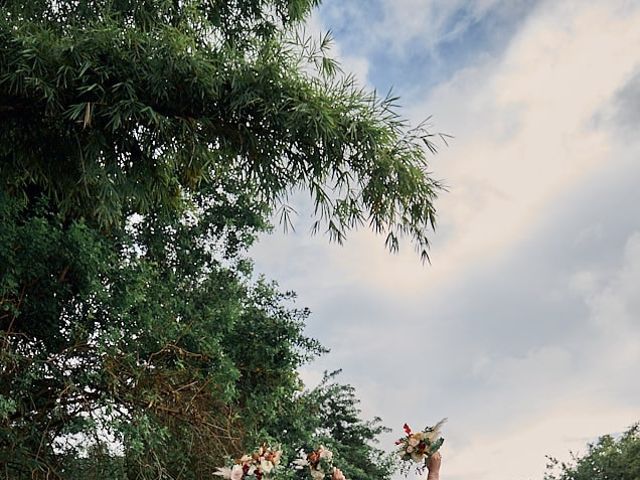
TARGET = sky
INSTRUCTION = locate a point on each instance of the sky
(525, 328)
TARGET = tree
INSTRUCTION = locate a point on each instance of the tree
(112, 107)
(329, 415)
(143, 145)
(148, 355)
(607, 459)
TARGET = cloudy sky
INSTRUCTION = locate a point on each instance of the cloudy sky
(525, 329)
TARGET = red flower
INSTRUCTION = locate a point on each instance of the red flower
(407, 429)
(399, 442)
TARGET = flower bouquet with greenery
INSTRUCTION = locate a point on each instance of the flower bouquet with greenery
(257, 466)
(417, 447)
(319, 464)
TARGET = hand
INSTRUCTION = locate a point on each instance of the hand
(434, 466)
(337, 474)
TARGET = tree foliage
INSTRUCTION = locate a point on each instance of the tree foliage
(153, 354)
(610, 458)
(143, 145)
(113, 107)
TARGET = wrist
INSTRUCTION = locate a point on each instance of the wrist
(433, 476)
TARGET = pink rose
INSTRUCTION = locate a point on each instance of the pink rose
(337, 475)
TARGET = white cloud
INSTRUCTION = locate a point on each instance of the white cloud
(404, 26)
(524, 136)
(518, 453)
(527, 135)
(469, 337)
(615, 308)
(430, 21)
(565, 396)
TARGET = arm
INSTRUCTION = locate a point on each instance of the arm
(434, 466)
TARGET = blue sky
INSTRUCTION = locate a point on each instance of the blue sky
(422, 56)
(525, 330)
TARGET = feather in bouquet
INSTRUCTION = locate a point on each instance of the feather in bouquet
(417, 447)
(257, 466)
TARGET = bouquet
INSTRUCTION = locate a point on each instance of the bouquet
(417, 447)
(320, 464)
(258, 465)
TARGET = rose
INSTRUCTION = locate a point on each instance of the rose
(325, 454)
(313, 457)
(337, 475)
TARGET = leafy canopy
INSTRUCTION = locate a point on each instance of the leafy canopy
(114, 107)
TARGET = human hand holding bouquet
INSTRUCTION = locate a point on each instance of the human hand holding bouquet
(258, 465)
(434, 463)
(418, 447)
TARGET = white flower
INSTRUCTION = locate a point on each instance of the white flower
(301, 461)
(409, 449)
(300, 464)
(266, 466)
(417, 457)
(317, 474)
(245, 459)
(325, 454)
